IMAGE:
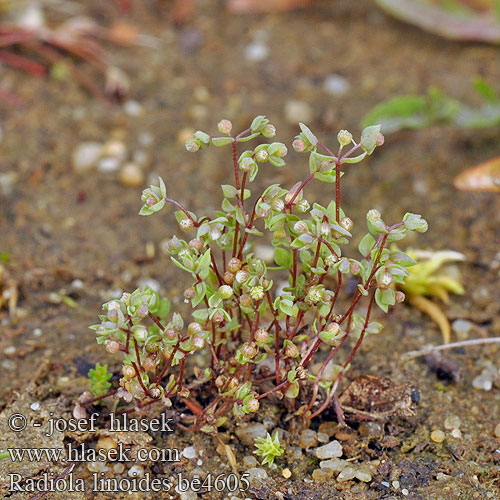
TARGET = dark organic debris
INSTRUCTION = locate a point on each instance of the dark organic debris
(443, 365)
(377, 398)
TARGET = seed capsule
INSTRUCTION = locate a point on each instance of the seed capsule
(128, 371)
(184, 392)
(155, 392)
(225, 292)
(246, 300)
(234, 265)
(331, 259)
(269, 131)
(150, 363)
(257, 292)
(250, 350)
(228, 277)
(199, 342)
(112, 346)
(303, 206)
(141, 334)
(385, 280)
(346, 223)
(186, 224)
(196, 244)
(261, 335)
(299, 145)
(225, 127)
(291, 351)
(300, 227)
(253, 405)
(218, 317)
(262, 155)
(344, 137)
(194, 328)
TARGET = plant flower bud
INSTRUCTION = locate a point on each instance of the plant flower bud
(225, 127)
(344, 137)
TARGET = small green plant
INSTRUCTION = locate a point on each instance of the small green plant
(269, 448)
(436, 108)
(99, 380)
(431, 277)
(248, 337)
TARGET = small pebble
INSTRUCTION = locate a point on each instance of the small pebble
(371, 429)
(256, 51)
(132, 108)
(188, 495)
(248, 433)
(108, 164)
(336, 85)
(298, 111)
(335, 464)
(286, 473)
(37, 332)
(115, 149)
(481, 296)
(497, 430)
(347, 474)
(323, 438)
(330, 450)
(106, 443)
(97, 466)
(189, 452)
(35, 406)
(131, 175)
(462, 328)
(256, 476)
(456, 433)
(363, 474)
(79, 412)
(308, 439)
(405, 492)
(452, 422)
(136, 471)
(9, 350)
(85, 156)
(322, 474)
(249, 461)
(483, 383)
(329, 428)
(118, 468)
(438, 436)
(395, 484)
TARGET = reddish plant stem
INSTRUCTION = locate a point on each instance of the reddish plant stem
(235, 242)
(216, 271)
(337, 191)
(156, 320)
(235, 165)
(137, 354)
(180, 207)
(139, 378)
(300, 188)
(99, 398)
(349, 359)
(20, 62)
(294, 267)
(167, 365)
